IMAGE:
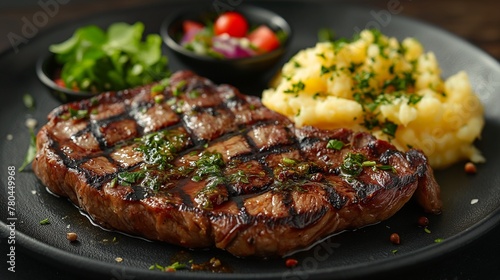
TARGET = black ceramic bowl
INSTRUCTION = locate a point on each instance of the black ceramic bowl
(46, 68)
(232, 71)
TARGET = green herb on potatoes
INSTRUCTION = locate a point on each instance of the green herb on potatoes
(95, 60)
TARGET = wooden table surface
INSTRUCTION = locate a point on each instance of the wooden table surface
(475, 21)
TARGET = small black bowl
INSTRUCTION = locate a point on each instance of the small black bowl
(234, 71)
(46, 69)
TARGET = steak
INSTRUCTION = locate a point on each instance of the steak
(196, 164)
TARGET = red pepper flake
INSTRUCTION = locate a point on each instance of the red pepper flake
(470, 168)
(423, 221)
(395, 239)
(71, 236)
(291, 262)
(170, 269)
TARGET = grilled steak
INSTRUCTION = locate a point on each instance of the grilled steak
(197, 164)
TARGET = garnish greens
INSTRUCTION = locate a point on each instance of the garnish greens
(95, 60)
(291, 174)
(334, 144)
(173, 267)
(354, 163)
(29, 101)
(159, 149)
(31, 153)
(296, 87)
(326, 35)
(366, 91)
(210, 167)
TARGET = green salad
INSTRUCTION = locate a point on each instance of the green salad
(95, 60)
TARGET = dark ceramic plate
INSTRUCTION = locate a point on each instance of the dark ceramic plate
(364, 252)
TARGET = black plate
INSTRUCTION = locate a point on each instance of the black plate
(358, 253)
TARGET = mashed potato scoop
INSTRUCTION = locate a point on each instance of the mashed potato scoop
(390, 88)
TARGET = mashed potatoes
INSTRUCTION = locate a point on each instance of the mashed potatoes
(390, 88)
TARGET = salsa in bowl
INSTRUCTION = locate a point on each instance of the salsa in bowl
(228, 47)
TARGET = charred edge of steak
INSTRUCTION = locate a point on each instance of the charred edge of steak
(196, 164)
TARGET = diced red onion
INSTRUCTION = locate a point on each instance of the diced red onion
(189, 36)
(231, 47)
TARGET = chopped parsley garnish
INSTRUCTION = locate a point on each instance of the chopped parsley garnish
(160, 148)
(339, 44)
(76, 114)
(28, 101)
(291, 174)
(414, 99)
(369, 163)
(371, 122)
(326, 35)
(157, 89)
(159, 98)
(128, 178)
(210, 167)
(239, 176)
(160, 87)
(335, 144)
(324, 70)
(353, 67)
(170, 268)
(113, 182)
(298, 113)
(45, 221)
(389, 128)
(322, 55)
(316, 95)
(370, 99)
(288, 161)
(363, 79)
(386, 168)
(178, 88)
(401, 83)
(147, 177)
(194, 94)
(31, 152)
(376, 35)
(296, 87)
(354, 163)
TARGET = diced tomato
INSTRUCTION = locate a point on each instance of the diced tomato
(264, 39)
(189, 26)
(60, 82)
(191, 29)
(231, 23)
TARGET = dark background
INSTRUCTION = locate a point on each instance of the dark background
(475, 21)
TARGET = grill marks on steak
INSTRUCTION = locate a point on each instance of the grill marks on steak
(236, 175)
